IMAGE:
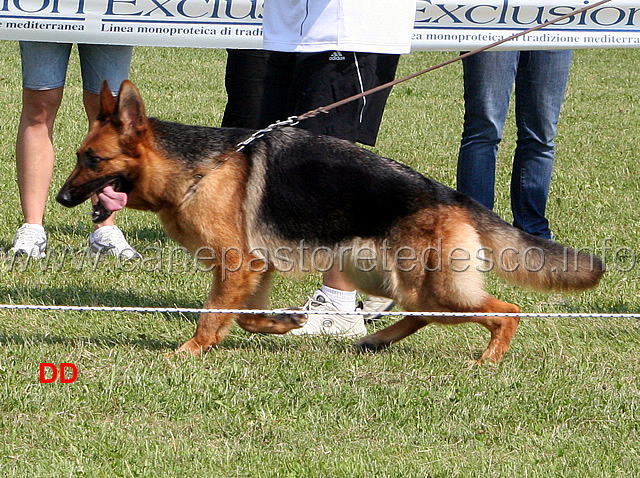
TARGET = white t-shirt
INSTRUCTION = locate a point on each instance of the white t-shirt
(374, 26)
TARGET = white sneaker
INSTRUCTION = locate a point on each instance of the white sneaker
(110, 240)
(30, 240)
(373, 305)
(330, 323)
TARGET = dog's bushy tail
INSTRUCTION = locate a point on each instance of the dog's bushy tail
(531, 261)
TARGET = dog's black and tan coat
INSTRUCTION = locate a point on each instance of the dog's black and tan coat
(292, 199)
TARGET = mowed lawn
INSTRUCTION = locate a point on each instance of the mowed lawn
(564, 401)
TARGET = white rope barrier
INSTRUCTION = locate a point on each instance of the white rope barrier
(186, 310)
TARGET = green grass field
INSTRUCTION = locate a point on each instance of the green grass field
(564, 401)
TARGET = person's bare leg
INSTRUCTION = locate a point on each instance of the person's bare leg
(34, 150)
(336, 279)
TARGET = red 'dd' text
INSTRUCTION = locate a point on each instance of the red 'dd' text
(68, 372)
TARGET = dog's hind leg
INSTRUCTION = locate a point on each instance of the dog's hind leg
(267, 324)
(502, 328)
(455, 286)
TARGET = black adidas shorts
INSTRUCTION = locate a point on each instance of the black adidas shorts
(298, 82)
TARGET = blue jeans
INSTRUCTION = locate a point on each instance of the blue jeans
(540, 79)
(44, 65)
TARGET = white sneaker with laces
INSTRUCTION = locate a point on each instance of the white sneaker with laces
(373, 305)
(110, 240)
(30, 240)
(330, 323)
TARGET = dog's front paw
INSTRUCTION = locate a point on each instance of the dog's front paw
(278, 323)
(189, 348)
(287, 322)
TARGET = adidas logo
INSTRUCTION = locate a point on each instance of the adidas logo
(337, 56)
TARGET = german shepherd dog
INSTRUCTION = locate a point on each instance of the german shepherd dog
(292, 196)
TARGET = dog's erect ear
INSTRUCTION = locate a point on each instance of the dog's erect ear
(107, 102)
(129, 111)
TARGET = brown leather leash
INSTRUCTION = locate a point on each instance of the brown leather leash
(326, 109)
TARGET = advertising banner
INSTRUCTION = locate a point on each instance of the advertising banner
(440, 25)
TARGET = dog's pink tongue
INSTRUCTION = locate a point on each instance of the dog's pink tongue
(111, 199)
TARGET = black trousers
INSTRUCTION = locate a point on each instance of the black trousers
(244, 79)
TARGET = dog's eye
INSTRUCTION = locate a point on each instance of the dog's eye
(91, 159)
